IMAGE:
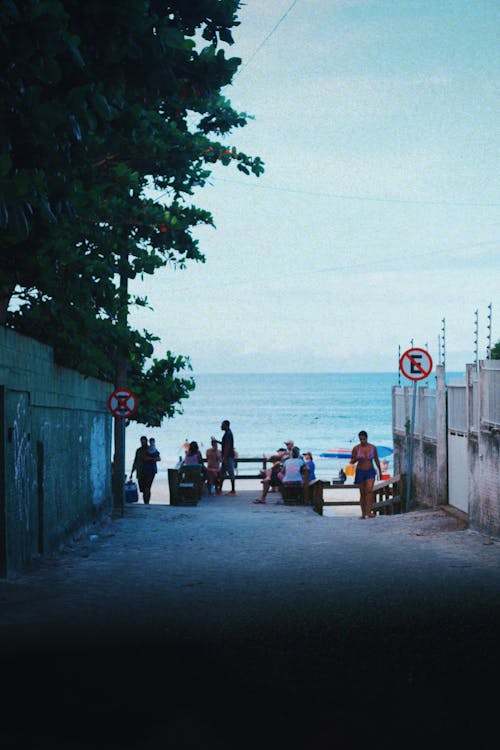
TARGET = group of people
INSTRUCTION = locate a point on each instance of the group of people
(288, 466)
(220, 462)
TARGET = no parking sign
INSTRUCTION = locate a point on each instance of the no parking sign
(122, 403)
(416, 363)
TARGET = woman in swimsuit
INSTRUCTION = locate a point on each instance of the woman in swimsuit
(364, 454)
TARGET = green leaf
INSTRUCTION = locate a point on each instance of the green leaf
(20, 223)
(173, 37)
(5, 164)
(95, 123)
(76, 127)
(101, 106)
(226, 36)
(4, 213)
(73, 43)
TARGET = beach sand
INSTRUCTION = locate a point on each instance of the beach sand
(160, 494)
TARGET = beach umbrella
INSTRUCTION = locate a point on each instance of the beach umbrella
(382, 451)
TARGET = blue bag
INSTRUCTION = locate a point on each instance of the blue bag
(131, 493)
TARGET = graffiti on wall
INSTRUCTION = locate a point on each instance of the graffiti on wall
(24, 481)
(99, 469)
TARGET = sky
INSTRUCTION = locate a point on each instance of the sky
(375, 227)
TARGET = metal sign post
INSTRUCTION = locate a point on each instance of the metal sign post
(409, 472)
(415, 364)
(122, 403)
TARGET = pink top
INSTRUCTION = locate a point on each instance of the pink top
(361, 456)
(194, 459)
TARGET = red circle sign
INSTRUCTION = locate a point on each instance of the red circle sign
(122, 403)
(415, 363)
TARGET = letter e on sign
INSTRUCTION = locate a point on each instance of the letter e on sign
(416, 363)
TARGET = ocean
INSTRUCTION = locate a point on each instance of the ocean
(317, 411)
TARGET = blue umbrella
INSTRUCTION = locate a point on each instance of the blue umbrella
(382, 451)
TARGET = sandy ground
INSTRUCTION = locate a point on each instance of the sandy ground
(161, 495)
(231, 624)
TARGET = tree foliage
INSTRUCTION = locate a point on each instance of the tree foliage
(495, 351)
(102, 104)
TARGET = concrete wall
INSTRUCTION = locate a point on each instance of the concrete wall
(429, 480)
(483, 448)
(480, 494)
(55, 451)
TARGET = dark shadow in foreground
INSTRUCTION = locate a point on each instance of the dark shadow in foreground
(394, 683)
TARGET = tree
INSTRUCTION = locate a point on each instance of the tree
(101, 104)
(495, 351)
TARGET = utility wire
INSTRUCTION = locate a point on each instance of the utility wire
(211, 180)
(342, 196)
(266, 39)
(350, 266)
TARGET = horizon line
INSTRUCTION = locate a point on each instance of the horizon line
(323, 372)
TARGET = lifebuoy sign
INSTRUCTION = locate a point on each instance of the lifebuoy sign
(122, 403)
(415, 363)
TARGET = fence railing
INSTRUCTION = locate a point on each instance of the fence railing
(389, 496)
(472, 405)
(457, 408)
(425, 412)
(490, 416)
(399, 410)
(261, 463)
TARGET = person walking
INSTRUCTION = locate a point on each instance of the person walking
(145, 468)
(364, 454)
(228, 456)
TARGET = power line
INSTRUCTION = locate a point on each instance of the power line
(351, 266)
(343, 196)
(266, 38)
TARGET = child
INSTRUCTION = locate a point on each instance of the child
(153, 450)
(311, 466)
